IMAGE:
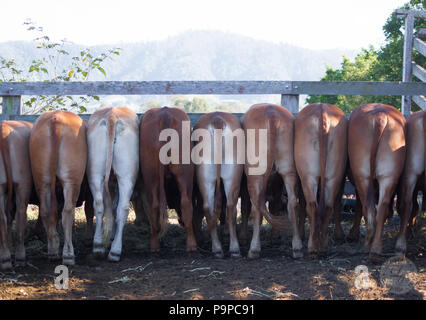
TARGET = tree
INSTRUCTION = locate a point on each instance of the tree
(56, 64)
(190, 106)
(384, 64)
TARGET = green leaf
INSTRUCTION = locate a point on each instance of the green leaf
(102, 70)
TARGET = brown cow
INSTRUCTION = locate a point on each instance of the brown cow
(220, 128)
(376, 148)
(15, 185)
(274, 154)
(113, 150)
(414, 169)
(157, 124)
(320, 153)
(58, 153)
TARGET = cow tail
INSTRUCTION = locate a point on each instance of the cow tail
(165, 122)
(5, 152)
(218, 124)
(55, 131)
(164, 216)
(273, 128)
(109, 219)
(323, 128)
(380, 122)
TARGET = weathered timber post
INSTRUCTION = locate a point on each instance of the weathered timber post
(407, 65)
(11, 106)
(290, 102)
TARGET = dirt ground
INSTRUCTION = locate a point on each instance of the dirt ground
(172, 274)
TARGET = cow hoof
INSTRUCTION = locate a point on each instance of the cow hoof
(218, 255)
(253, 255)
(114, 257)
(235, 255)
(20, 263)
(297, 254)
(68, 261)
(5, 265)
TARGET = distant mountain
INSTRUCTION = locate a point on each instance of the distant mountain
(202, 55)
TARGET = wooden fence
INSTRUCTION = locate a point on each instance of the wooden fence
(410, 68)
(11, 92)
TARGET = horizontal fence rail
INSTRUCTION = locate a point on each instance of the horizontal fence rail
(211, 87)
(11, 92)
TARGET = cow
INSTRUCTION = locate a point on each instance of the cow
(221, 167)
(278, 157)
(320, 154)
(58, 154)
(113, 150)
(376, 149)
(156, 167)
(413, 176)
(15, 188)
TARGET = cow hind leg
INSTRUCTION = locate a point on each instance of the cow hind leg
(98, 206)
(22, 199)
(187, 213)
(255, 186)
(208, 190)
(71, 192)
(310, 188)
(125, 189)
(231, 183)
(5, 258)
(387, 188)
(49, 216)
(290, 181)
(405, 212)
(207, 184)
(331, 194)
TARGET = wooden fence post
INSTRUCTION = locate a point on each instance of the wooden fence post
(407, 62)
(290, 102)
(11, 106)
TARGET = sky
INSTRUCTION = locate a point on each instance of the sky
(312, 24)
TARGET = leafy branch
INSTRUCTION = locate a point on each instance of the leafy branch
(48, 68)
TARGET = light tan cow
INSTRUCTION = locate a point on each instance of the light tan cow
(113, 150)
(273, 155)
(58, 153)
(376, 148)
(414, 170)
(15, 185)
(320, 153)
(222, 166)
